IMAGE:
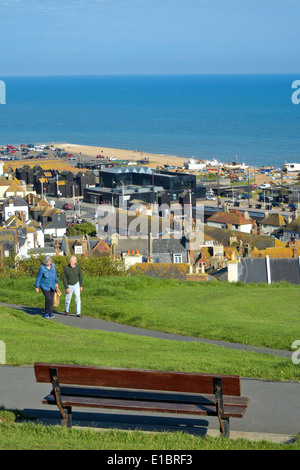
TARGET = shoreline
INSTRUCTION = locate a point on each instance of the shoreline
(86, 153)
(155, 160)
(123, 154)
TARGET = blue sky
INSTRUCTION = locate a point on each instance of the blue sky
(67, 37)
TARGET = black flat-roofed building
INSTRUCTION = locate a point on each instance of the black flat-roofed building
(173, 183)
(119, 197)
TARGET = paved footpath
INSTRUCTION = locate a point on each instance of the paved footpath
(274, 411)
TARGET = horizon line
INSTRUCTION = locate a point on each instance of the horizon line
(149, 74)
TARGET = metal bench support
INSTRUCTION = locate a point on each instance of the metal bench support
(223, 420)
(65, 411)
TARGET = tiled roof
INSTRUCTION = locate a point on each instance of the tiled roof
(276, 220)
(224, 235)
(233, 217)
(294, 225)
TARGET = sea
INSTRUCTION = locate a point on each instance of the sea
(245, 118)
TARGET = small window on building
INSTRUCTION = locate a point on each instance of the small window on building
(177, 258)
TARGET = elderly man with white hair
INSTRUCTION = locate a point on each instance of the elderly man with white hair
(73, 283)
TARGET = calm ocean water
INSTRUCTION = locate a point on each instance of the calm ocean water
(250, 118)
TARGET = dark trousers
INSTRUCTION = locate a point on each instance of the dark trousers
(49, 295)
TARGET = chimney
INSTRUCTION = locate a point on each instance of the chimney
(294, 251)
(248, 250)
(84, 245)
(232, 240)
(232, 271)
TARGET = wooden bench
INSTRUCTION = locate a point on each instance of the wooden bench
(142, 390)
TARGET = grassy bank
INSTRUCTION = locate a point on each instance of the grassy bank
(260, 315)
(30, 339)
(30, 436)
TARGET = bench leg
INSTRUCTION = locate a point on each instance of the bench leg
(67, 417)
(224, 427)
(224, 421)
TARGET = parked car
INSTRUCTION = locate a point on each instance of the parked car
(264, 186)
(263, 198)
(277, 204)
(67, 206)
(292, 207)
(246, 196)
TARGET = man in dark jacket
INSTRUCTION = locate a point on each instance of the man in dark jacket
(73, 283)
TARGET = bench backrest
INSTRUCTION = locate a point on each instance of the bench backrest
(188, 382)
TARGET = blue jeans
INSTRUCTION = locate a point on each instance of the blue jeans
(76, 291)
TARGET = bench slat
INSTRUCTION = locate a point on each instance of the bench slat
(152, 396)
(140, 405)
(138, 379)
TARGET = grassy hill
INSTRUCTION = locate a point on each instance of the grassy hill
(259, 315)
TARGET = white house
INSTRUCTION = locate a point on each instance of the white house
(232, 220)
(15, 206)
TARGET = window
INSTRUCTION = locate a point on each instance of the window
(177, 258)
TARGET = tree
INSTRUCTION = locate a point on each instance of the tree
(71, 230)
(86, 228)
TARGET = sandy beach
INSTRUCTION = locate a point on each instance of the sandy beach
(86, 153)
(155, 160)
(120, 154)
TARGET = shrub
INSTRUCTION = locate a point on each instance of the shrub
(95, 267)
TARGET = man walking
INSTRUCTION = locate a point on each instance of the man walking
(73, 282)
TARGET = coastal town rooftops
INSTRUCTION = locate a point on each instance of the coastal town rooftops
(234, 217)
(294, 225)
(15, 201)
(276, 220)
(225, 236)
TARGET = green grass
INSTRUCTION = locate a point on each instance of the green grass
(30, 339)
(260, 314)
(31, 436)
